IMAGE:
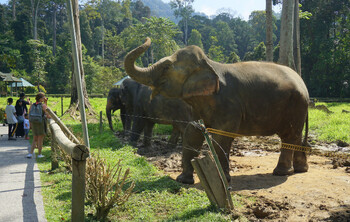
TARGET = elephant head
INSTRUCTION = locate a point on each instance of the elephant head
(186, 73)
(113, 104)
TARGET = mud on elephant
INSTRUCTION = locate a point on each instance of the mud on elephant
(247, 98)
(145, 112)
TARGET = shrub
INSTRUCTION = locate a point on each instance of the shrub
(104, 186)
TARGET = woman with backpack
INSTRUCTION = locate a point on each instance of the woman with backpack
(37, 114)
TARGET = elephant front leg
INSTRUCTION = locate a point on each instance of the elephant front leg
(222, 147)
(137, 127)
(175, 134)
(191, 145)
(147, 132)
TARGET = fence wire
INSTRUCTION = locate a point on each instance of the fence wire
(336, 154)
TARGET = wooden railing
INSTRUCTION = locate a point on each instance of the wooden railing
(63, 138)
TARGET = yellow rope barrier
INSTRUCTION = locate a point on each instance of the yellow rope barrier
(223, 133)
(284, 145)
(295, 147)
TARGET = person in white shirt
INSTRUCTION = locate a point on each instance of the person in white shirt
(11, 118)
(26, 126)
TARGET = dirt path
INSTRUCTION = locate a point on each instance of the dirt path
(321, 194)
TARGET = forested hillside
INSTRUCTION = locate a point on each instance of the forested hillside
(35, 41)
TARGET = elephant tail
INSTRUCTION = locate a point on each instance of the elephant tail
(305, 142)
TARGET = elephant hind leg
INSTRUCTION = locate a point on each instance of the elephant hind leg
(285, 165)
(172, 142)
(291, 161)
(147, 132)
(300, 162)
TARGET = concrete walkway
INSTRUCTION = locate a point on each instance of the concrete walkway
(20, 188)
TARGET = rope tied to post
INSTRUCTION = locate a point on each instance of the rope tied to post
(283, 146)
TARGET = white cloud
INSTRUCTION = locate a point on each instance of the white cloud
(208, 11)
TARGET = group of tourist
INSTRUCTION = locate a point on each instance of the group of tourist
(20, 120)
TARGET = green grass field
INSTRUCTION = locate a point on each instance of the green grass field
(156, 196)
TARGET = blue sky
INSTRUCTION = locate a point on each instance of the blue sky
(239, 8)
(236, 7)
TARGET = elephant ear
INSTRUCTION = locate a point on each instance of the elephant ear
(202, 82)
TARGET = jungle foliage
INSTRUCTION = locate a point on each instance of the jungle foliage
(38, 48)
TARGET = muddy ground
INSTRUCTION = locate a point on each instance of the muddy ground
(321, 194)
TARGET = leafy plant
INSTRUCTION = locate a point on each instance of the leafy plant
(104, 186)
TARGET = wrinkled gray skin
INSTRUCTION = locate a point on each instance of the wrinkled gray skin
(114, 103)
(146, 112)
(248, 98)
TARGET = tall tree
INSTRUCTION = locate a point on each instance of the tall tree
(183, 9)
(257, 20)
(296, 38)
(269, 40)
(14, 10)
(225, 37)
(195, 38)
(35, 8)
(215, 51)
(161, 31)
(286, 56)
(74, 102)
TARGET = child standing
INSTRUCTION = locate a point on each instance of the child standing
(26, 126)
(11, 118)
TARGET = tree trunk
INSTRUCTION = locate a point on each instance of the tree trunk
(186, 29)
(35, 9)
(14, 10)
(74, 94)
(36, 21)
(286, 42)
(54, 29)
(269, 41)
(296, 39)
(103, 43)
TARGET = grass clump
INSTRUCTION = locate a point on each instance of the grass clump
(331, 127)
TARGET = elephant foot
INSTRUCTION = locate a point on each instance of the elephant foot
(186, 179)
(300, 163)
(301, 168)
(281, 171)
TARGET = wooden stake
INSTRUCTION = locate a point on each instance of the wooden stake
(218, 167)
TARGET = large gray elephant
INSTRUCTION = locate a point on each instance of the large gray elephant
(114, 103)
(146, 112)
(247, 98)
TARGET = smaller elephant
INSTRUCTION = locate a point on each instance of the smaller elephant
(147, 111)
(114, 103)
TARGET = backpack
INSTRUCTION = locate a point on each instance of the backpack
(36, 113)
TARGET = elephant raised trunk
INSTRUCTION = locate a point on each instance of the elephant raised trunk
(141, 75)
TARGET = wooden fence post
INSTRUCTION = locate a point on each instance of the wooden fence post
(79, 153)
(61, 105)
(54, 154)
(78, 190)
(212, 176)
(101, 126)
